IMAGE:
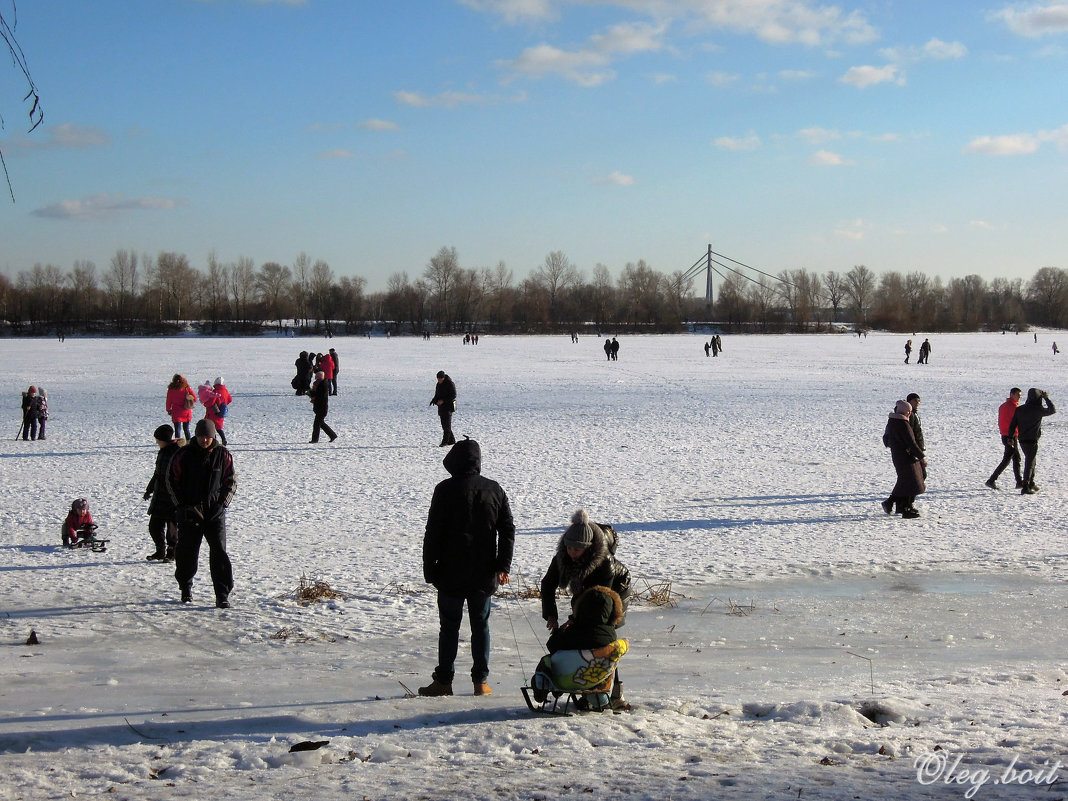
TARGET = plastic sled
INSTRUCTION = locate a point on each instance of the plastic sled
(575, 681)
(87, 539)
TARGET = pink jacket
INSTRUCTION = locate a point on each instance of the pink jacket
(176, 405)
(209, 396)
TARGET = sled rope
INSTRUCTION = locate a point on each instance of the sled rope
(511, 623)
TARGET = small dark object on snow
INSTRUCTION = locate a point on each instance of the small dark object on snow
(32, 639)
(308, 745)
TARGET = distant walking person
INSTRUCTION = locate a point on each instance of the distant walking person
(1026, 425)
(908, 462)
(1056, 350)
(615, 349)
(337, 369)
(1006, 411)
(908, 350)
(925, 352)
(445, 399)
(467, 553)
(715, 345)
(201, 483)
(708, 347)
(608, 349)
(320, 399)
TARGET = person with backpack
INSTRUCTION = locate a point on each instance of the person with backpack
(40, 411)
(216, 399)
(585, 558)
(180, 403)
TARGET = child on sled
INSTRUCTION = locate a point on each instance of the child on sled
(78, 526)
(585, 559)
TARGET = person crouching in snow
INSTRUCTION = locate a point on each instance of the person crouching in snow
(79, 523)
(585, 558)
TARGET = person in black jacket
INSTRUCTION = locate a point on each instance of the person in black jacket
(320, 398)
(337, 369)
(1026, 425)
(908, 459)
(597, 612)
(201, 484)
(445, 399)
(467, 553)
(585, 558)
(161, 525)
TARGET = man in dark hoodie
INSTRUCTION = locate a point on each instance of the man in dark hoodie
(1026, 426)
(161, 525)
(201, 484)
(467, 553)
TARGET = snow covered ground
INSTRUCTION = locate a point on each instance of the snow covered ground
(817, 649)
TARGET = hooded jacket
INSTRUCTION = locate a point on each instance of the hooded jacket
(596, 567)
(1027, 421)
(470, 533)
(593, 623)
(161, 503)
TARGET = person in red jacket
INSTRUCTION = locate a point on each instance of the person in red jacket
(326, 364)
(213, 395)
(180, 403)
(78, 524)
(1012, 450)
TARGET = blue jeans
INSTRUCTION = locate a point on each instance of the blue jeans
(451, 613)
(178, 430)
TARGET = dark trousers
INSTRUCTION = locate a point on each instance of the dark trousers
(163, 531)
(333, 385)
(1030, 452)
(320, 424)
(1012, 454)
(445, 413)
(450, 615)
(187, 555)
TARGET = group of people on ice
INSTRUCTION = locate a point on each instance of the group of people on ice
(308, 364)
(467, 555)
(34, 413)
(1020, 428)
(182, 400)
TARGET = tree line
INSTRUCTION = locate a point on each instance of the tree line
(165, 293)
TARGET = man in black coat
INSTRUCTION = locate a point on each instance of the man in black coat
(445, 399)
(1026, 425)
(201, 484)
(161, 525)
(467, 553)
(320, 398)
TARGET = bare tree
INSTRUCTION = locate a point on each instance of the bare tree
(834, 286)
(555, 275)
(242, 287)
(271, 282)
(83, 290)
(440, 273)
(216, 289)
(301, 288)
(18, 59)
(859, 287)
(120, 283)
(1048, 291)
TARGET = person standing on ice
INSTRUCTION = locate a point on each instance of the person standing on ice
(917, 429)
(201, 483)
(179, 405)
(162, 527)
(1012, 450)
(908, 350)
(908, 462)
(925, 352)
(213, 396)
(467, 554)
(320, 398)
(445, 399)
(585, 558)
(1026, 424)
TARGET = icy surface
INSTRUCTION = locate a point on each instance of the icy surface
(817, 648)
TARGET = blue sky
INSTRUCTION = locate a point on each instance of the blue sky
(370, 133)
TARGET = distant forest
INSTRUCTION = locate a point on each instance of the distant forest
(165, 294)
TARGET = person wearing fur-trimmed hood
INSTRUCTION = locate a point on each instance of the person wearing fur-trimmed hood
(585, 558)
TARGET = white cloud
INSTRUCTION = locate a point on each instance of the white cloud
(515, 10)
(863, 77)
(337, 153)
(983, 225)
(939, 228)
(446, 99)
(737, 144)
(796, 75)
(825, 158)
(103, 206)
(721, 79)
(1035, 19)
(617, 178)
(375, 124)
(589, 65)
(941, 51)
(66, 136)
(1018, 144)
(818, 136)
